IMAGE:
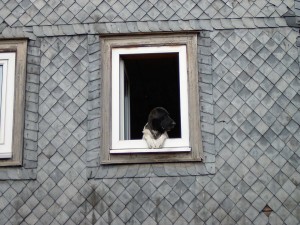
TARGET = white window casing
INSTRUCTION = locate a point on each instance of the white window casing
(118, 122)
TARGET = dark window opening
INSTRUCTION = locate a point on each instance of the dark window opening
(152, 80)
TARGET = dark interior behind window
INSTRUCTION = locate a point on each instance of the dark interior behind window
(153, 81)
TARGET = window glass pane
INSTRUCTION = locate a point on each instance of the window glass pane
(153, 81)
(1, 78)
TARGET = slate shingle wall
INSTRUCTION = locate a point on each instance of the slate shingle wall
(55, 12)
(250, 100)
(256, 124)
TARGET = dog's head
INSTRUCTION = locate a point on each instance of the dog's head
(159, 120)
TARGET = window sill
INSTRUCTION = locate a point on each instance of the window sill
(5, 155)
(149, 150)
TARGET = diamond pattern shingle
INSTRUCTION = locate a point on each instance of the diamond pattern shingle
(30, 13)
(268, 118)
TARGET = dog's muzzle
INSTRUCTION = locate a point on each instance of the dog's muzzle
(170, 126)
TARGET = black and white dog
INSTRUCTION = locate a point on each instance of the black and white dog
(159, 123)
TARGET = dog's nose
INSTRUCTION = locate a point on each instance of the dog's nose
(173, 123)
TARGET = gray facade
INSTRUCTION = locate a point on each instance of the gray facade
(248, 62)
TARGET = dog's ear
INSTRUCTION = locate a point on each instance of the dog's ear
(167, 123)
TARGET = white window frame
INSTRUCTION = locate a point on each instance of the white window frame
(7, 61)
(119, 145)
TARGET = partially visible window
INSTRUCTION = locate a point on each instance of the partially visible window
(140, 73)
(7, 86)
(12, 98)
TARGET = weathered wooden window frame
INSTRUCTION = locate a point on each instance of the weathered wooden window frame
(113, 42)
(19, 48)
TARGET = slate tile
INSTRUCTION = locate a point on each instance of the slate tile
(31, 219)
(289, 187)
(204, 214)
(125, 215)
(8, 212)
(188, 215)
(141, 214)
(219, 196)
(291, 220)
(220, 214)
(234, 179)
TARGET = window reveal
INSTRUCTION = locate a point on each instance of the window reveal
(140, 72)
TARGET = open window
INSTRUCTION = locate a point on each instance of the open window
(144, 78)
(12, 89)
(140, 73)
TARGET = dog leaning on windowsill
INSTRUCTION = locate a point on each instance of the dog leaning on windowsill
(155, 131)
